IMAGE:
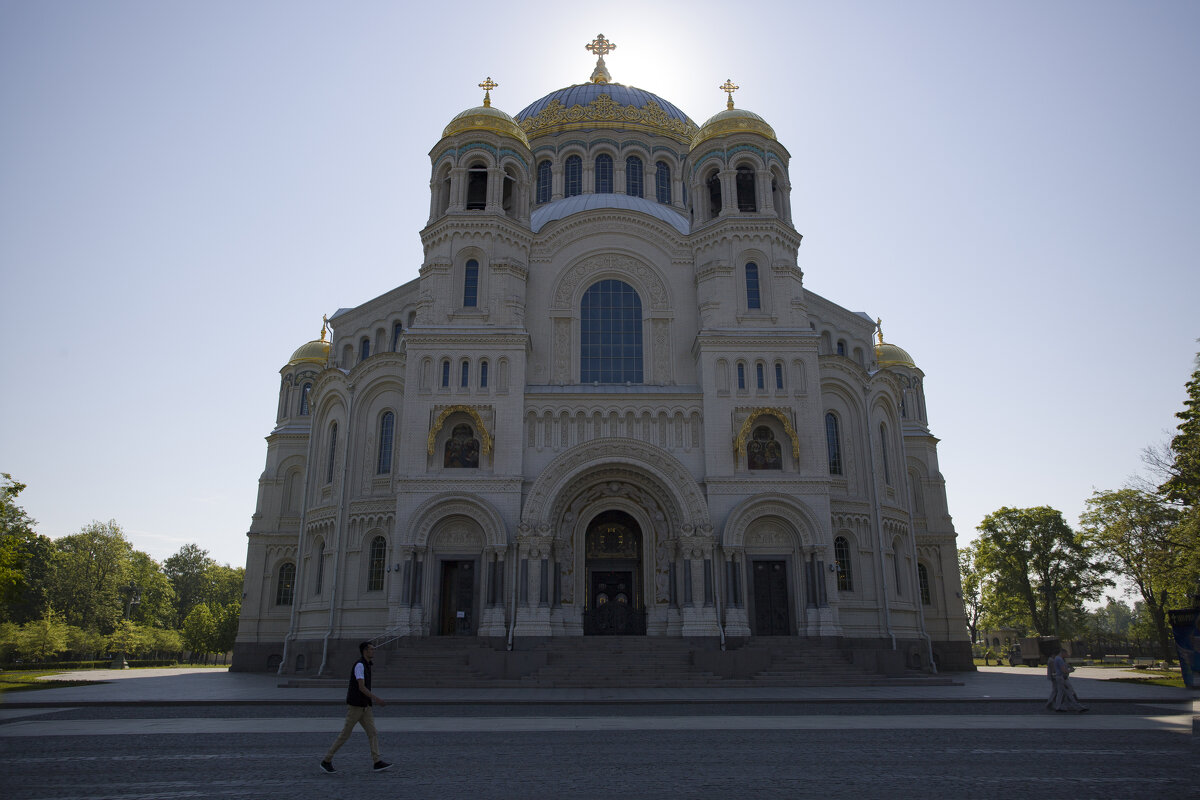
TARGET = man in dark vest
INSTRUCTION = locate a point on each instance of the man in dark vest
(359, 698)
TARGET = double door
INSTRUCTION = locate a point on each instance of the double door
(772, 608)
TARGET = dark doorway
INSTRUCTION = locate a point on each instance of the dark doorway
(771, 612)
(458, 599)
(614, 566)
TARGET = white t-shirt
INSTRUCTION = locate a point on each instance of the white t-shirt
(359, 673)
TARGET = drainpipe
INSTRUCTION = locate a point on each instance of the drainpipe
(878, 519)
(343, 521)
(516, 562)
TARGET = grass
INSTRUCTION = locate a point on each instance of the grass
(29, 681)
(1157, 677)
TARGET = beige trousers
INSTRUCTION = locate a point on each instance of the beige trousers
(356, 715)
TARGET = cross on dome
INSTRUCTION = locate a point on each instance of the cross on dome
(487, 86)
(729, 87)
(601, 47)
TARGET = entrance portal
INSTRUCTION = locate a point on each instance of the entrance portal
(615, 604)
(772, 616)
(458, 599)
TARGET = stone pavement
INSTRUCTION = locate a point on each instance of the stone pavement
(200, 686)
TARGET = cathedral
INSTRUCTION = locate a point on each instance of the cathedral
(607, 405)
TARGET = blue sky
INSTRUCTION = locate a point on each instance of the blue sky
(185, 188)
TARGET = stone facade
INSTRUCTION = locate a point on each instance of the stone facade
(607, 404)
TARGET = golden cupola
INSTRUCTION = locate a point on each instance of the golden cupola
(889, 355)
(732, 120)
(486, 118)
(314, 352)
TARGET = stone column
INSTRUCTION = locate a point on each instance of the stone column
(699, 617)
(736, 621)
(534, 619)
(458, 189)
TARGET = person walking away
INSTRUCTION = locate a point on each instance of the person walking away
(1064, 697)
(359, 699)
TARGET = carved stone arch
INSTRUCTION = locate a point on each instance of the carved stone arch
(649, 284)
(803, 524)
(485, 438)
(430, 514)
(739, 442)
(616, 459)
(468, 154)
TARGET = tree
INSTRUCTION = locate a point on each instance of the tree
(190, 573)
(200, 631)
(16, 539)
(1137, 532)
(90, 569)
(972, 588)
(228, 616)
(1039, 570)
(1183, 484)
(156, 596)
(43, 638)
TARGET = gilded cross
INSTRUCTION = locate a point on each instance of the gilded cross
(487, 86)
(729, 87)
(600, 46)
(879, 328)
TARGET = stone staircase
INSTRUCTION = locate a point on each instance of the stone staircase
(617, 662)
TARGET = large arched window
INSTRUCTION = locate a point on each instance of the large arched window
(604, 174)
(376, 565)
(477, 180)
(834, 443)
(364, 349)
(633, 176)
(285, 584)
(397, 329)
(387, 430)
(544, 178)
(753, 298)
(923, 580)
(662, 182)
(332, 453)
(304, 390)
(320, 557)
(897, 557)
(883, 449)
(745, 189)
(841, 558)
(610, 334)
(573, 177)
(471, 284)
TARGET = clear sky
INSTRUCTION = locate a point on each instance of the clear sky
(186, 187)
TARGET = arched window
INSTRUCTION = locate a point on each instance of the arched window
(464, 378)
(713, 184)
(364, 349)
(610, 334)
(741, 375)
(471, 284)
(834, 443)
(304, 390)
(397, 329)
(923, 581)
(332, 452)
(477, 180)
(897, 555)
(841, 347)
(483, 374)
(604, 174)
(462, 449)
(573, 177)
(841, 558)
(745, 189)
(778, 375)
(759, 377)
(633, 176)
(763, 451)
(375, 566)
(544, 179)
(320, 567)
(753, 299)
(387, 429)
(285, 586)
(662, 182)
(883, 448)
(446, 374)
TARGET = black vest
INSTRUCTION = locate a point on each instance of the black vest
(353, 696)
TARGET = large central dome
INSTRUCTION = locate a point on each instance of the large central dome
(605, 105)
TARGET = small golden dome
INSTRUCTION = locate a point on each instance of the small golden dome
(315, 352)
(889, 355)
(730, 121)
(486, 118)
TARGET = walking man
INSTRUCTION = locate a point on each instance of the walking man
(1064, 695)
(359, 699)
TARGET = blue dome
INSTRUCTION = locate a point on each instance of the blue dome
(584, 93)
(561, 209)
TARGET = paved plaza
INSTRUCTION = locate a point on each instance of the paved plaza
(208, 733)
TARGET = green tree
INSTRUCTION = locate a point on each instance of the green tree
(200, 631)
(90, 569)
(16, 541)
(164, 641)
(1138, 533)
(225, 584)
(1039, 570)
(156, 596)
(190, 573)
(1111, 620)
(43, 638)
(1183, 483)
(972, 588)
(227, 617)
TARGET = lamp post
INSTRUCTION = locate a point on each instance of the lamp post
(135, 598)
